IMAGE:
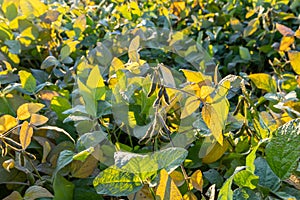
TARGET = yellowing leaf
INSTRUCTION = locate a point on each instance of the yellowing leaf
(213, 122)
(7, 122)
(144, 194)
(79, 24)
(116, 64)
(38, 120)
(190, 106)
(190, 196)
(28, 81)
(205, 91)
(215, 153)
(26, 133)
(46, 151)
(263, 81)
(252, 27)
(196, 77)
(297, 33)
(294, 57)
(8, 164)
(286, 42)
(32, 7)
(197, 180)
(27, 109)
(285, 31)
(178, 178)
(166, 188)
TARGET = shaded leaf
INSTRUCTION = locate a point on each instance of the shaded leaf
(84, 169)
(245, 194)
(191, 105)
(38, 120)
(15, 195)
(35, 192)
(216, 152)
(244, 53)
(65, 158)
(113, 181)
(283, 151)
(177, 177)
(8, 164)
(26, 133)
(49, 62)
(63, 189)
(133, 49)
(252, 27)
(166, 188)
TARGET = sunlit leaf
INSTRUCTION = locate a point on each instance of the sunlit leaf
(116, 64)
(191, 105)
(8, 164)
(196, 77)
(246, 178)
(190, 196)
(213, 122)
(113, 181)
(177, 7)
(54, 128)
(285, 31)
(81, 156)
(294, 57)
(79, 24)
(28, 81)
(32, 7)
(26, 134)
(38, 120)
(263, 81)
(7, 122)
(166, 188)
(27, 109)
(197, 180)
(60, 104)
(252, 27)
(286, 42)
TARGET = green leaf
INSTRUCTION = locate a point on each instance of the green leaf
(65, 158)
(244, 53)
(81, 156)
(115, 182)
(28, 81)
(263, 81)
(245, 194)
(246, 178)
(10, 10)
(14, 46)
(35, 192)
(91, 139)
(168, 159)
(294, 57)
(63, 189)
(49, 62)
(87, 95)
(283, 151)
(267, 178)
(60, 104)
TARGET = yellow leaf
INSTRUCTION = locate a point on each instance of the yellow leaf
(197, 180)
(7, 122)
(27, 109)
(205, 91)
(191, 105)
(211, 119)
(26, 133)
(286, 42)
(143, 194)
(285, 31)
(46, 151)
(294, 57)
(8, 164)
(190, 196)
(32, 7)
(177, 7)
(178, 178)
(216, 152)
(196, 77)
(116, 64)
(80, 23)
(297, 33)
(166, 189)
(38, 120)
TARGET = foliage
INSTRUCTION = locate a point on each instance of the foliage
(125, 98)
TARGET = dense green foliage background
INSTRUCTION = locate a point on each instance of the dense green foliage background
(237, 113)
